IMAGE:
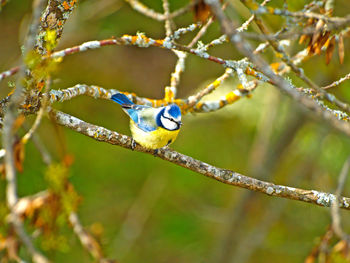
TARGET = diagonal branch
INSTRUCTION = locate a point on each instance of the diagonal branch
(228, 28)
(222, 175)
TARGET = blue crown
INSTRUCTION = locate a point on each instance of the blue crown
(174, 110)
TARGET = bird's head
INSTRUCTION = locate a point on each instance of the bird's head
(169, 117)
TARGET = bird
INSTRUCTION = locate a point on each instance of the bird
(152, 128)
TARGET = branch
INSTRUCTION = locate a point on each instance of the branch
(87, 240)
(228, 28)
(336, 83)
(222, 175)
(298, 71)
(8, 139)
(146, 11)
(336, 222)
(53, 18)
(337, 21)
(9, 73)
(29, 204)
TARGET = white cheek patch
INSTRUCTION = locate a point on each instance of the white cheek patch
(166, 114)
(168, 124)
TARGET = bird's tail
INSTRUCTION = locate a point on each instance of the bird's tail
(122, 100)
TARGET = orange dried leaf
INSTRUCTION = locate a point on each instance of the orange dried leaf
(40, 85)
(201, 11)
(330, 50)
(11, 92)
(319, 44)
(68, 160)
(317, 48)
(2, 171)
(324, 38)
(340, 246)
(18, 152)
(310, 259)
(318, 31)
(302, 39)
(341, 48)
(18, 122)
(310, 48)
(65, 5)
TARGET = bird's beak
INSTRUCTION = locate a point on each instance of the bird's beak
(180, 123)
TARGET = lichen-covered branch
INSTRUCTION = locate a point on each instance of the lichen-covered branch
(298, 71)
(53, 19)
(191, 104)
(228, 28)
(8, 140)
(222, 175)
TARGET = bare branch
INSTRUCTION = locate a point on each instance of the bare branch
(138, 214)
(222, 175)
(89, 243)
(168, 21)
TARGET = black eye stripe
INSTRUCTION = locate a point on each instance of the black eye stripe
(173, 120)
(170, 119)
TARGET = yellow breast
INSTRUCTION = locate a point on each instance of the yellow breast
(154, 139)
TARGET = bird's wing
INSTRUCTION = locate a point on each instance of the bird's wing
(144, 117)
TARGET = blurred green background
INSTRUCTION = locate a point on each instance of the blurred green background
(146, 210)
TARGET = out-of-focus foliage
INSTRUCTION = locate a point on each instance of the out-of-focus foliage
(180, 216)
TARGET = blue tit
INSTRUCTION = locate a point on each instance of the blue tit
(153, 128)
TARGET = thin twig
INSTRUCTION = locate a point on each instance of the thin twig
(45, 155)
(9, 73)
(89, 243)
(194, 99)
(336, 221)
(143, 9)
(41, 112)
(337, 21)
(138, 214)
(167, 23)
(201, 32)
(298, 71)
(171, 91)
(336, 83)
(228, 28)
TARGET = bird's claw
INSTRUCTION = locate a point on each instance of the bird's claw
(133, 144)
(155, 152)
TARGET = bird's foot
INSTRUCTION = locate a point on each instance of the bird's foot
(133, 144)
(155, 152)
